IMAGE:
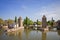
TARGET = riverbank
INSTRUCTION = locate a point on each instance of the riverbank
(14, 29)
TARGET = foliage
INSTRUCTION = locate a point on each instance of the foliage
(15, 19)
(50, 23)
(38, 22)
(27, 21)
(10, 21)
(31, 22)
(1, 21)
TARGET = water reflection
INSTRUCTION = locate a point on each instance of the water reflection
(58, 32)
(0, 32)
(43, 35)
(15, 35)
(28, 34)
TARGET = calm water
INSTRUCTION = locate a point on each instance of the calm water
(28, 34)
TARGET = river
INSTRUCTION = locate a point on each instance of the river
(28, 34)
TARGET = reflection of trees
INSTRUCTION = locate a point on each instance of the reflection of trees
(1, 32)
(58, 32)
(27, 31)
(43, 35)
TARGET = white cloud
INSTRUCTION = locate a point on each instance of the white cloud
(50, 11)
(23, 7)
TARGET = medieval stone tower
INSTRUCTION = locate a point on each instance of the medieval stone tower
(44, 23)
(20, 22)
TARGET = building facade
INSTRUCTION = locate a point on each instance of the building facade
(44, 23)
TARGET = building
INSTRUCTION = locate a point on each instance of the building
(44, 23)
(20, 22)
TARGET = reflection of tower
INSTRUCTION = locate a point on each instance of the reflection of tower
(20, 34)
(44, 24)
(20, 22)
(58, 32)
(43, 35)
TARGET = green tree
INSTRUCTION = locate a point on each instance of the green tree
(38, 22)
(49, 22)
(10, 21)
(5, 22)
(31, 22)
(27, 21)
(1, 21)
(52, 22)
(16, 21)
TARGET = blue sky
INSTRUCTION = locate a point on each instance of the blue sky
(34, 9)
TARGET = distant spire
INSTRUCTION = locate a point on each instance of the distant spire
(52, 19)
